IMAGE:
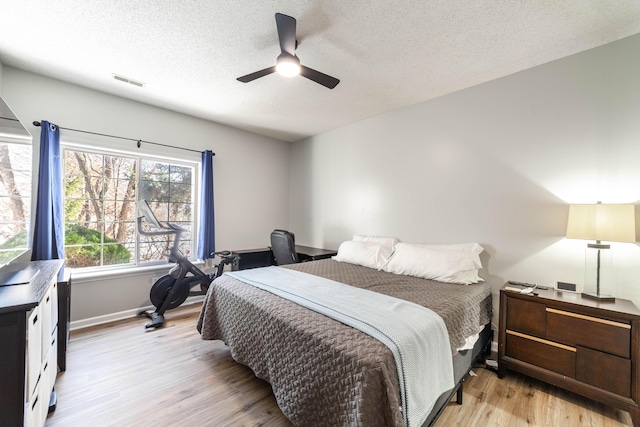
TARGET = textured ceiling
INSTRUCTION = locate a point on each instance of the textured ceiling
(387, 54)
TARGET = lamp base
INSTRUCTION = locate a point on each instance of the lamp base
(601, 298)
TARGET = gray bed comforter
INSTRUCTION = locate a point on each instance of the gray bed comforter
(324, 373)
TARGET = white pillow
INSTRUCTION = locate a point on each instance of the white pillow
(466, 277)
(384, 241)
(472, 248)
(364, 253)
(451, 266)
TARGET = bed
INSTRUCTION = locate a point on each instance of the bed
(324, 372)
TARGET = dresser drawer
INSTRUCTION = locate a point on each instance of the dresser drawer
(543, 353)
(526, 316)
(587, 331)
(611, 373)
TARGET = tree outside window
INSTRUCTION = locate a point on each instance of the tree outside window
(100, 207)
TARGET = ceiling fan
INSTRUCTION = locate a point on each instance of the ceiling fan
(288, 63)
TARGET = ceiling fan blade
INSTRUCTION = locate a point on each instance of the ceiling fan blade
(318, 77)
(251, 77)
(286, 33)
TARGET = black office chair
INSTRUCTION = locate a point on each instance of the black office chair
(283, 245)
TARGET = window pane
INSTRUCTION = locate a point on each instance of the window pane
(118, 254)
(82, 256)
(118, 189)
(83, 233)
(154, 191)
(181, 174)
(100, 210)
(15, 199)
(179, 212)
(179, 192)
(74, 187)
(160, 210)
(154, 248)
(168, 190)
(123, 168)
(123, 210)
(121, 232)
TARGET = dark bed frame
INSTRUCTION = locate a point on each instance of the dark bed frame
(463, 361)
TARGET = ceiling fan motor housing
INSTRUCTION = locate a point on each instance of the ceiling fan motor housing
(288, 65)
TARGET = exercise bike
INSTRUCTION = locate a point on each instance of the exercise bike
(172, 289)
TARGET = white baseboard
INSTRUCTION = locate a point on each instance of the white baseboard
(127, 314)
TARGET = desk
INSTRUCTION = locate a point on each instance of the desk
(306, 253)
(252, 258)
(263, 257)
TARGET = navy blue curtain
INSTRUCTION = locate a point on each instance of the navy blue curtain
(206, 228)
(48, 234)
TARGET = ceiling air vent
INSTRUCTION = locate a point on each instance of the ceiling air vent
(128, 80)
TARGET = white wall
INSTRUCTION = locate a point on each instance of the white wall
(251, 171)
(497, 163)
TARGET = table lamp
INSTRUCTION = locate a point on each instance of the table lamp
(600, 222)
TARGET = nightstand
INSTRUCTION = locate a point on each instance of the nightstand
(584, 346)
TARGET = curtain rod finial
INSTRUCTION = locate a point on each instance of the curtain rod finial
(36, 123)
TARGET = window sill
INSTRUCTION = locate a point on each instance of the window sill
(97, 275)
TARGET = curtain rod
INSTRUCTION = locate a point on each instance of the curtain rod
(138, 141)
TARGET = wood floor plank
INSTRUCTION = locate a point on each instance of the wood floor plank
(123, 375)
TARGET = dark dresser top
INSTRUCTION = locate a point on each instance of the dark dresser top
(620, 306)
(26, 296)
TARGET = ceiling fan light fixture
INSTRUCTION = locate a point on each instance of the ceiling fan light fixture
(288, 65)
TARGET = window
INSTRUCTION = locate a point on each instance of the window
(101, 190)
(15, 199)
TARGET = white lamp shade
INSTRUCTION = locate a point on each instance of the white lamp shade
(610, 223)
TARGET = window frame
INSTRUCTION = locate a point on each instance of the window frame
(139, 157)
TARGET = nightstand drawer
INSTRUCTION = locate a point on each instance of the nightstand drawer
(604, 371)
(543, 353)
(587, 331)
(526, 316)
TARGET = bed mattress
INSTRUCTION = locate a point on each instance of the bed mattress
(321, 371)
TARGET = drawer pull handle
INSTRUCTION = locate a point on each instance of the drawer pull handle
(540, 340)
(593, 319)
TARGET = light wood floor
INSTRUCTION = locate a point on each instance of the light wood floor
(121, 375)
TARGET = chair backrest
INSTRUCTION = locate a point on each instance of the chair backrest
(283, 245)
